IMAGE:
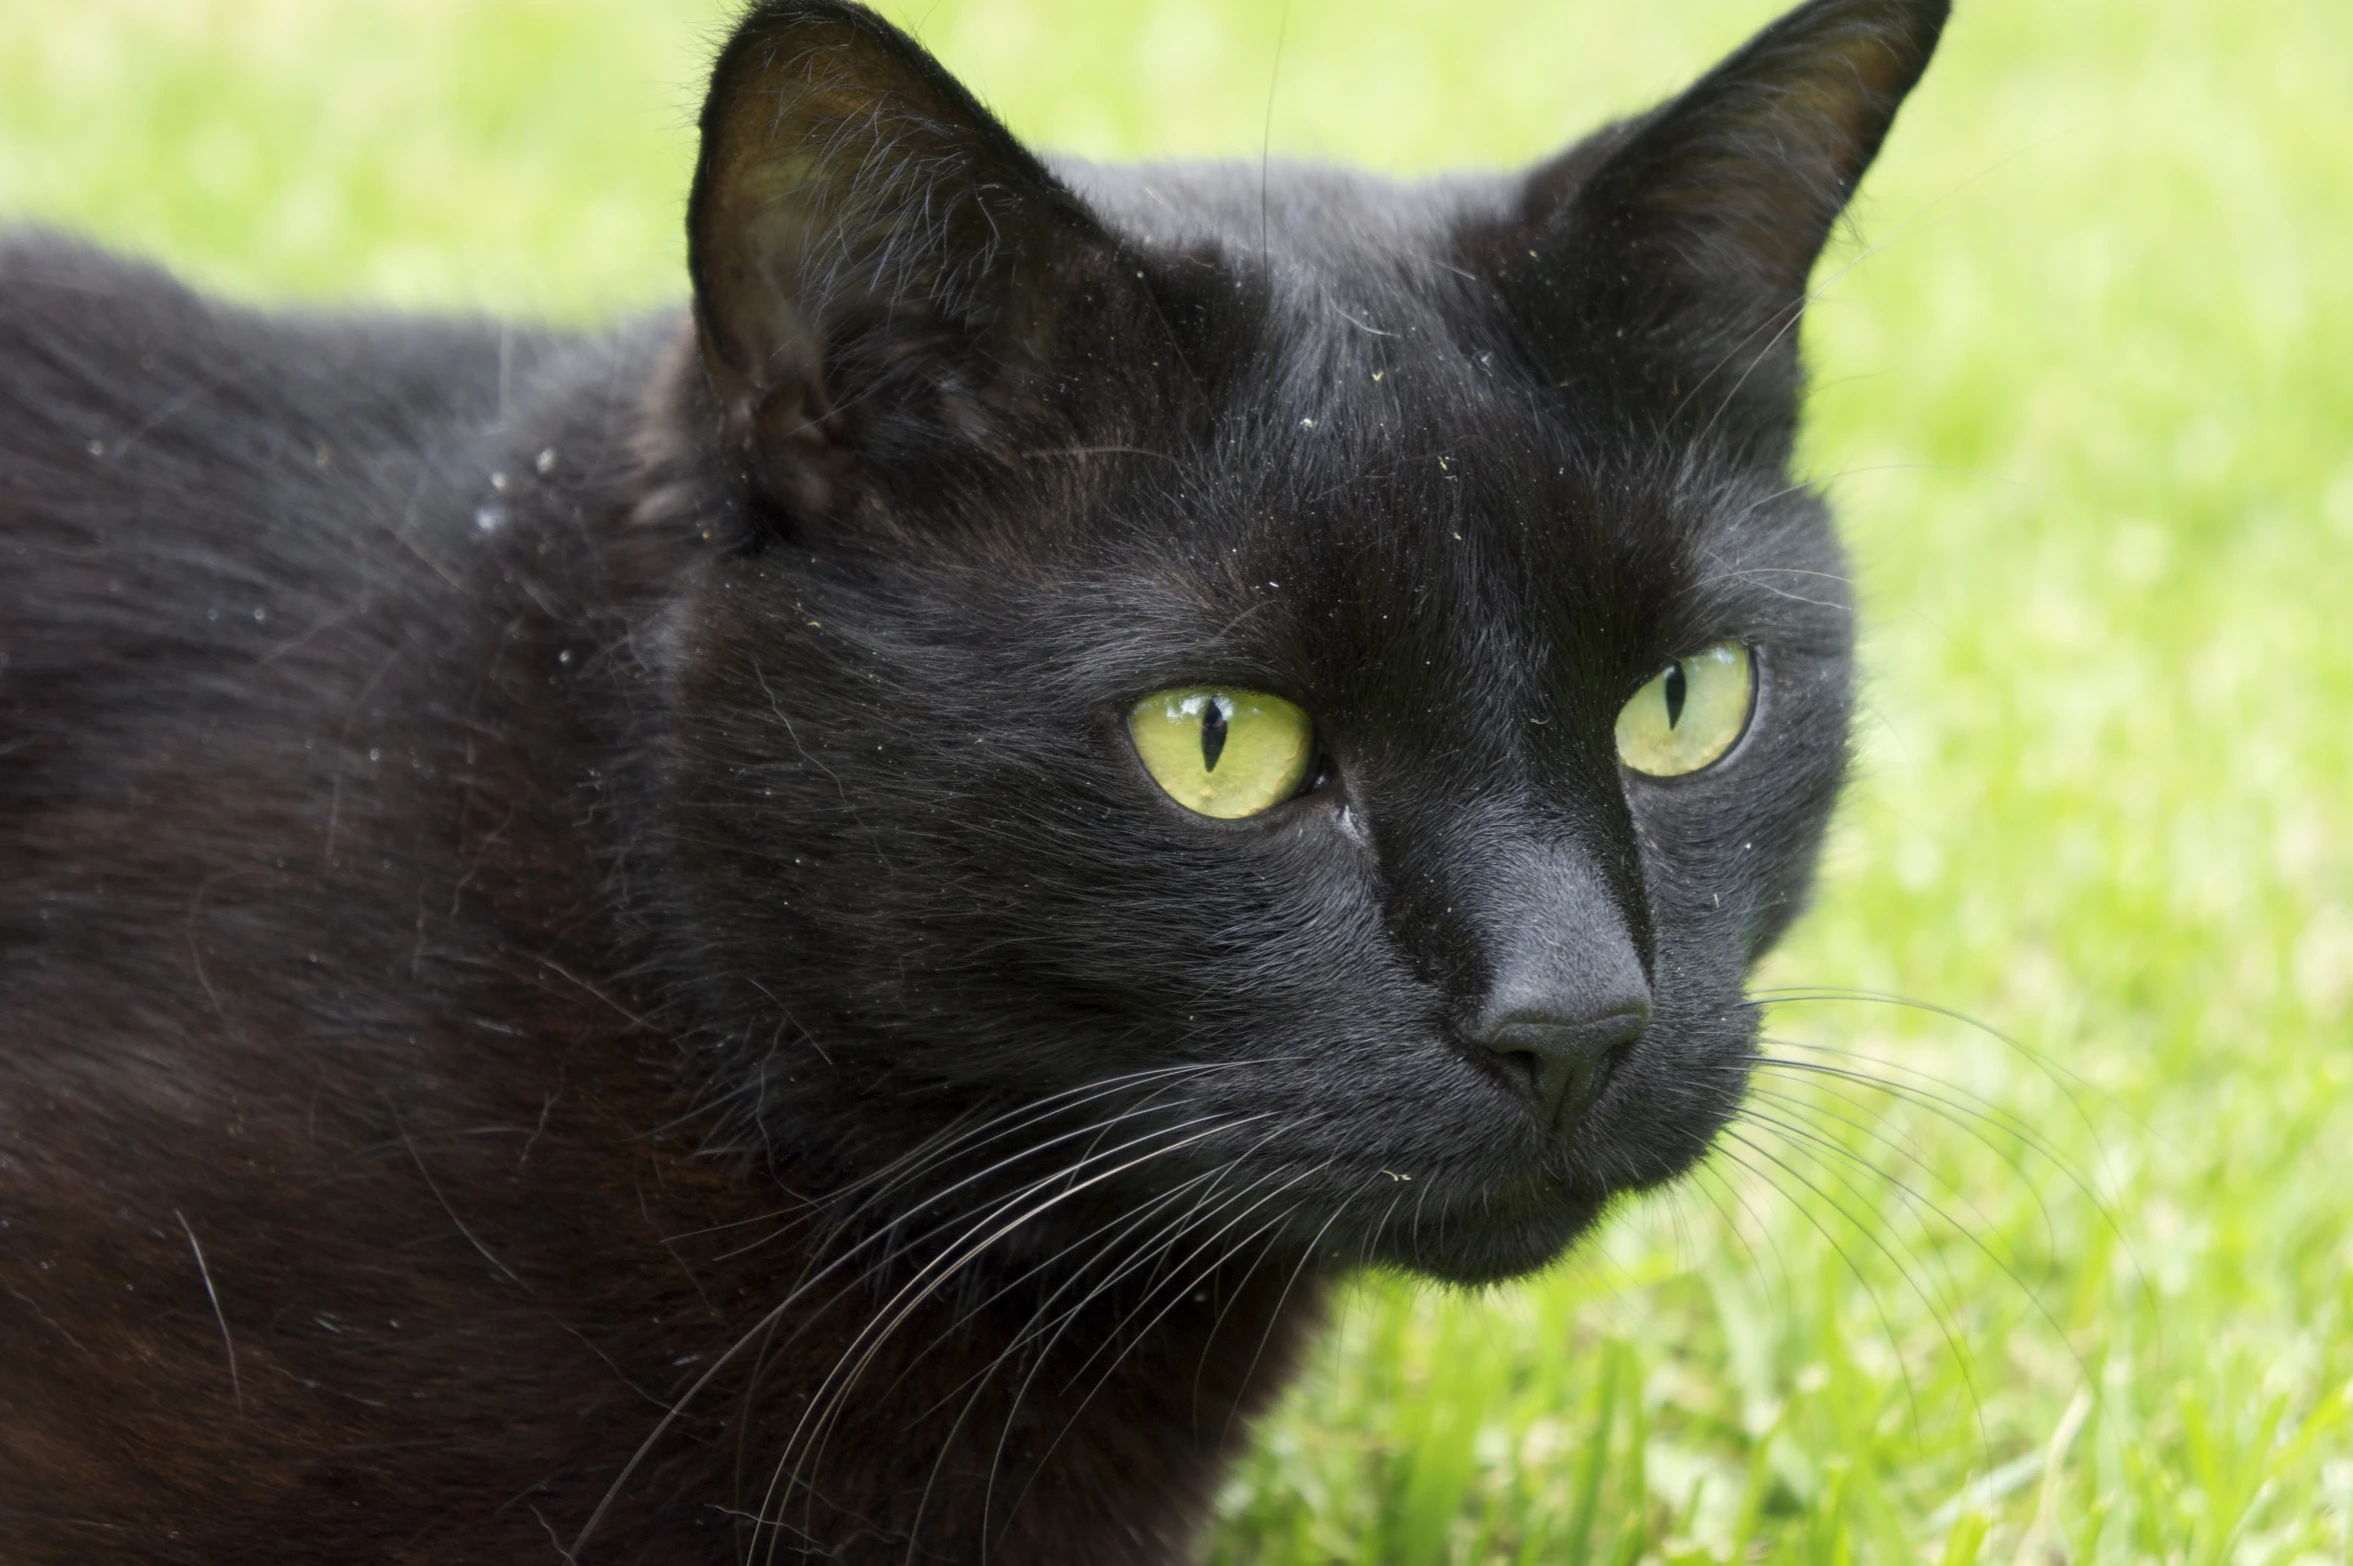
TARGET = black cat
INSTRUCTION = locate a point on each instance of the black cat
(809, 930)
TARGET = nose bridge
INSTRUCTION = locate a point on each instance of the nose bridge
(1557, 937)
(1499, 897)
(1549, 978)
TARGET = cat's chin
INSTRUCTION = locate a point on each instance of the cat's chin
(1504, 1235)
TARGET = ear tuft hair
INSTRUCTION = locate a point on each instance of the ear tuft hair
(881, 271)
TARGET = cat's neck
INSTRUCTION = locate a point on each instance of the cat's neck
(1034, 1397)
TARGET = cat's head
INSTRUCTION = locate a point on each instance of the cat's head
(1311, 691)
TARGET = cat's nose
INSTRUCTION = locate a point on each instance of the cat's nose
(1559, 1053)
(1566, 988)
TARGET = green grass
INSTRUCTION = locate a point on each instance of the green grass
(2086, 401)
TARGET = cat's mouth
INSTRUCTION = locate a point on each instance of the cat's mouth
(1481, 1219)
(1488, 1188)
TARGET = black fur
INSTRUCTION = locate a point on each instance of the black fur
(587, 963)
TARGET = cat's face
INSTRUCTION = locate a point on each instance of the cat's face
(1452, 521)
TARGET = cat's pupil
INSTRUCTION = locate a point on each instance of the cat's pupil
(1213, 732)
(1675, 693)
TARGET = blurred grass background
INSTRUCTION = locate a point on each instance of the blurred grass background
(2068, 1281)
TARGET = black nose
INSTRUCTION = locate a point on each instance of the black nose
(1558, 1059)
(1566, 985)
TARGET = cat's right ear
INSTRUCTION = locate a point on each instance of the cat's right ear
(885, 280)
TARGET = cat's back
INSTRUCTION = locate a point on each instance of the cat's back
(222, 535)
(159, 449)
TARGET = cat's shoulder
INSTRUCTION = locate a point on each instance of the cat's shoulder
(90, 339)
(165, 453)
(222, 523)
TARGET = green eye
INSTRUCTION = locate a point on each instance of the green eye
(1691, 714)
(1223, 753)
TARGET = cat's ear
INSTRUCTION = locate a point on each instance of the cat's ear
(884, 278)
(1668, 256)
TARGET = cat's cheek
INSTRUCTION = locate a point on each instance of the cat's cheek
(1729, 852)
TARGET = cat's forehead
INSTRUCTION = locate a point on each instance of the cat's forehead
(1381, 439)
(1298, 213)
(1349, 270)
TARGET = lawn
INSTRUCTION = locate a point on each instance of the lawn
(2046, 1260)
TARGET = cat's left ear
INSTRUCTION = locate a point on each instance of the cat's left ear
(887, 284)
(1664, 262)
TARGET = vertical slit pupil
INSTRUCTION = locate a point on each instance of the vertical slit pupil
(1676, 691)
(1213, 731)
